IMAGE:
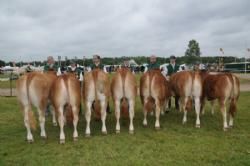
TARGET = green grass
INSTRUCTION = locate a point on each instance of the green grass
(174, 144)
(244, 81)
(6, 84)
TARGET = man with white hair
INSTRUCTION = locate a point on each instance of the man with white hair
(50, 65)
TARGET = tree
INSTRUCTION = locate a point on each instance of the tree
(193, 49)
(2, 63)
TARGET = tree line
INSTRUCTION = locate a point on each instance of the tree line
(192, 55)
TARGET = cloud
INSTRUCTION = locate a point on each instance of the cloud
(32, 30)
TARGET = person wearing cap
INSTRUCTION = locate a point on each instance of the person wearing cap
(153, 63)
(28, 68)
(50, 65)
(171, 69)
(74, 69)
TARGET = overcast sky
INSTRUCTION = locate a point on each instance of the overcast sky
(32, 30)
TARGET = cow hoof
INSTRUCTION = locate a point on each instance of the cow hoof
(104, 132)
(87, 135)
(117, 131)
(157, 128)
(44, 137)
(30, 141)
(62, 141)
(198, 126)
(55, 124)
(131, 132)
(75, 139)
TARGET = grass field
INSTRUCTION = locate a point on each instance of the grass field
(174, 144)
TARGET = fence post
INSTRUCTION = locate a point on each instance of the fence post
(11, 84)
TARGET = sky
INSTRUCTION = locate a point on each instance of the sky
(32, 30)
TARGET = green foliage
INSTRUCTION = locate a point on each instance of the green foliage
(193, 49)
(2, 63)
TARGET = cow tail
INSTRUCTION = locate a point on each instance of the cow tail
(232, 106)
(69, 113)
(124, 103)
(96, 104)
(150, 102)
(32, 119)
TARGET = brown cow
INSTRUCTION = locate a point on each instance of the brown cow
(224, 87)
(33, 89)
(96, 88)
(123, 87)
(187, 86)
(154, 89)
(66, 91)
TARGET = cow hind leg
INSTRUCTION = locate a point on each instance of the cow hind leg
(41, 112)
(232, 110)
(197, 110)
(27, 123)
(75, 110)
(131, 115)
(157, 114)
(184, 103)
(103, 116)
(88, 118)
(61, 124)
(53, 112)
(117, 115)
(224, 113)
(145, 111)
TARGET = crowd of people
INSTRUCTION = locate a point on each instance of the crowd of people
(97, 63)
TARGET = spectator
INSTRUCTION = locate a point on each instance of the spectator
(171, 69)
(50, 65)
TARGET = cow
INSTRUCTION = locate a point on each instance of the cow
(154, 92)
(66, 92)
(224, 87)
(95, 90)
(124, 91)
(187, 86)
(34, 89)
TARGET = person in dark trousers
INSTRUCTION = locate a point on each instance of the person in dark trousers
(171, 69)
(49, 66)
(98, 65)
